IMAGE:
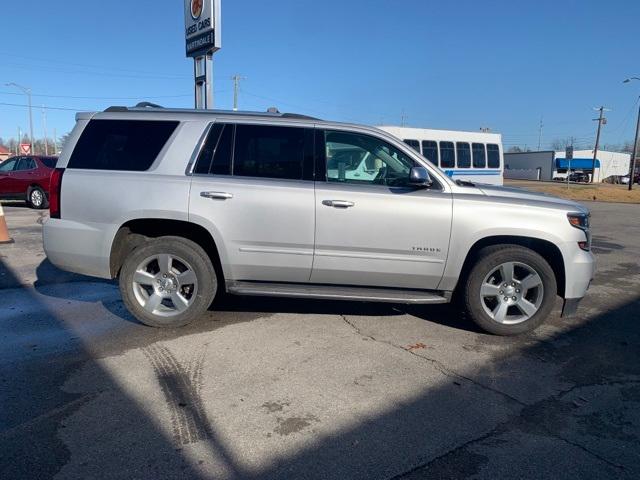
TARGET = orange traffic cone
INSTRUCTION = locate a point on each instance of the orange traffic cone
(4, 232)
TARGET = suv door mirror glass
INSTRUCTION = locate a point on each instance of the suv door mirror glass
(419, 177)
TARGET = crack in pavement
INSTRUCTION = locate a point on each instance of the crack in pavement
(436, 363)
(502, 427)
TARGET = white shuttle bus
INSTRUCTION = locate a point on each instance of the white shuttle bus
(473, 156)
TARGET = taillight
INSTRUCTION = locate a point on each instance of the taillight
(55, 188)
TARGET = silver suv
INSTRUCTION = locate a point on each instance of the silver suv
(181, 205)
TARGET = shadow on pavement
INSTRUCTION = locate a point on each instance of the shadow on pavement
(457, 428)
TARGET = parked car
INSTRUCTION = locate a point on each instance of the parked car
(27, 178)
(182, 204)
(579, 177)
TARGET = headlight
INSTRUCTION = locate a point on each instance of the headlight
(579, 220)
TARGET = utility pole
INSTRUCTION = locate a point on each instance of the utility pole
(19, 141)
(632, 168)
(403, 119)
(55, 142)
(601, 121)
(27, 92)
(540, 134)
(236, 86)
(44, 128)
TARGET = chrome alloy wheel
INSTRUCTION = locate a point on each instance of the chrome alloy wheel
(165, 285)
(512, 293)
(36, 198)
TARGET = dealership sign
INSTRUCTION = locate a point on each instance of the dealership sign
(202, 27)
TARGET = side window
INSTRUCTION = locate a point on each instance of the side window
(215, 157)
(49, 161)
(447, 155)
(8, 165)
(357, 158)
(430, 151)
(479, 155)
(269, 151)
(25, 164)
(415, 144)
(463, 152)
(127, 145)
(493, 155)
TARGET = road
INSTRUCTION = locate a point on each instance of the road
(262, 388)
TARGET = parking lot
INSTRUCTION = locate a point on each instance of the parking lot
(270, 388)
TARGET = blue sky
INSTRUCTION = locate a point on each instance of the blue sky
(446, 64)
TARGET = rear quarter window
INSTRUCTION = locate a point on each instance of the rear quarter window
(49, 162)
(128, 145)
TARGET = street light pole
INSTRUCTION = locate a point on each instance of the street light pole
(27, 92)
(634, 152)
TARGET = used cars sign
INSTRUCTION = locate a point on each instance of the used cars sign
(202, 26)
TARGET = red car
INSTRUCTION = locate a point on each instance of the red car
(27, 178)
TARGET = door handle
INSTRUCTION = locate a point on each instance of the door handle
(217, 195)
(338, 203)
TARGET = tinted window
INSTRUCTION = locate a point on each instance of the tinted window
(415, 144)
(8, 165)
(464, 154)
(49, 161)
(215, 157)
(479, 155)
(269, 151)
(493, 155)
(430, 151)
(357, 158)
(130, 145)
(25, 164)
(447, 155)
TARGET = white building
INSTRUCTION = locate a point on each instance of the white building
(607, 163)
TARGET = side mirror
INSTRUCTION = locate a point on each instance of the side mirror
(419, 177)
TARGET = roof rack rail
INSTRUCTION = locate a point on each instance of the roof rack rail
(270, 112)
(148, 105)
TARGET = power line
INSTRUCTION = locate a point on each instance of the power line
(97, 98)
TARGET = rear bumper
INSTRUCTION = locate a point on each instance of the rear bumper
(77, 247)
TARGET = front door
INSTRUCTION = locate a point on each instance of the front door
(7, 181)
(253, 184)
(372, 229)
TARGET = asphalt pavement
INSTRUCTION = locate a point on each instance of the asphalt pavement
(265, 388)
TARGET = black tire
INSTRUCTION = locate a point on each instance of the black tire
(487, 261)
(182, 250)
(37, 199)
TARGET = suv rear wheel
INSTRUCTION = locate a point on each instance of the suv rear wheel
(168, 282)
(510, 290)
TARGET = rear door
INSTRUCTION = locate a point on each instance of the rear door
(374, 229)
(24, 174)
(253, 187)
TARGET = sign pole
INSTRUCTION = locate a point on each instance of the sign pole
(203, 39)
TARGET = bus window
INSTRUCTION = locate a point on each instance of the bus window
(493, 155)
(430, 151)
(447, 155)
(479, 155)
(464, 154)
(415, 144)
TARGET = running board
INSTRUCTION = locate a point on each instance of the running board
(362, 294)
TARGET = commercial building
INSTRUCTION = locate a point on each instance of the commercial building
(4, 153)
(547, 165)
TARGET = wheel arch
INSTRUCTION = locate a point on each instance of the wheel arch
(550, 252)
(135, 232)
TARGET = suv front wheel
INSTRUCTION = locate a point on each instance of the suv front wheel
(168, 282)
(510, 290)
